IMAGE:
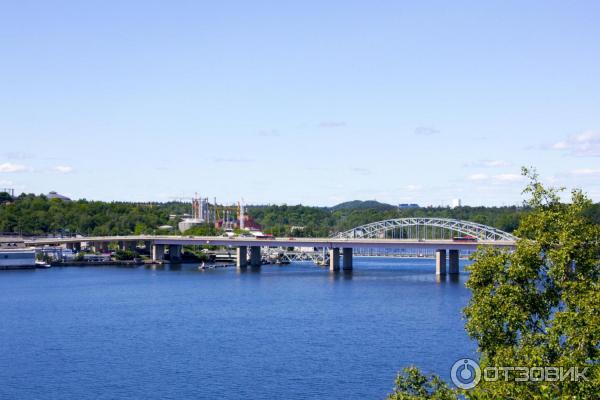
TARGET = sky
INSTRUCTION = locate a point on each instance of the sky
(307, 102)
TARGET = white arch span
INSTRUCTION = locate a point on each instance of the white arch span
(410, 227)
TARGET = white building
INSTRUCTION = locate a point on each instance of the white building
(14, 254)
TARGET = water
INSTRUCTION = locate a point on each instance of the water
(296, 331)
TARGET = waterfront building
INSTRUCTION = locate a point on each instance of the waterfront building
(56, 253)
(14, 254)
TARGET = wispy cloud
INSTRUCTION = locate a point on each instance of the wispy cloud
(332, 124)
(584, 144)
(586, 172)
(63, 169)
(498, 178)
(233, 160)
(426, 131)
(269, 133)
(5, 182)
(362, 171)
(487, 164)
(17, 155)
(560, 146)
(478, 177)
(413, 188)
(11, 167)
(508, 177)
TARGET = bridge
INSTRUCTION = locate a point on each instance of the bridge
(443, 235)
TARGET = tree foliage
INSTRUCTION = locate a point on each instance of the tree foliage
(321, 221)
(125, 255)
(538, 306)
(30, 214)
(413, 384)
(201, 230)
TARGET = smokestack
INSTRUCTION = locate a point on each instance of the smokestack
(242, 222)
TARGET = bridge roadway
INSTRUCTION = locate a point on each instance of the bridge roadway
(346, 245)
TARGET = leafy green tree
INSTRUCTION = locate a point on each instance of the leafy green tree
(537, 306)
(125, 255)
(5, 197)
(412, 384)
(202, 230)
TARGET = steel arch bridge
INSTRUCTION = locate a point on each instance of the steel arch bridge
(425, 229)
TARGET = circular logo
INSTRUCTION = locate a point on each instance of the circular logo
(465, 373)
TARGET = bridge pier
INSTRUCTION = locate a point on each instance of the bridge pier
(100, 247)
(158, 252)
(255, 259)
(334, 259)
(123, 245)
(175, 252)
(242, 257)
(347, 258)
(453, 259)
(440, 262)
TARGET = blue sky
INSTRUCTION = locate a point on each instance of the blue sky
(311, 102)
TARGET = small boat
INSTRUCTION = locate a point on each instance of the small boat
(42, 264)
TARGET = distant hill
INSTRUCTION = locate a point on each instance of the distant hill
(363, 205)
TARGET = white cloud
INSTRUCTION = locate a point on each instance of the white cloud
(508, 177)
(6, 183)
(494, 163)
(413, 188)
(498, 178)
(10, 167)
(560, 145)
(584, 144)
(477, 177)
(426, 131)
(362, 171)
(585, 172)
(63, 169)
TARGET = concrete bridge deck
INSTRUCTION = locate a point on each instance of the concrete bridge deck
(337, 247)
(278, 242)
(407, 233)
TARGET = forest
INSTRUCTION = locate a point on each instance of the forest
(30, 214)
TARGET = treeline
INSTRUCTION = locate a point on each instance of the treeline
(314, 221)
(29, 214)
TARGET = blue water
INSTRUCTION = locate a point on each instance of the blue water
(296, 331)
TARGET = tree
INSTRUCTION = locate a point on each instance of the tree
(125, 255)
(412, 384)
(538, 306)
(201, 230)
(5, 197)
